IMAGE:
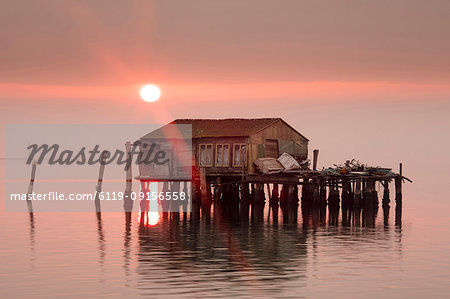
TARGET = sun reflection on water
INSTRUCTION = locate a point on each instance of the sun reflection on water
(149, 218)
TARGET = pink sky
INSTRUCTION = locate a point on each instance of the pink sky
(99, 53)
(204, 50)
(349, 75)
(104, 43)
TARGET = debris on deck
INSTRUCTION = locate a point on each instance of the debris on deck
(269, 165)
(285, 163)
(288, 162)
(354, 167)
(351, 170)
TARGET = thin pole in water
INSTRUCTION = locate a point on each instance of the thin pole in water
(99, 182)
(128, 202)
(30, 186)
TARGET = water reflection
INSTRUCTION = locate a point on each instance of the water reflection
(101, 244)
(32, 239)
(220, 249)
(194, 252)
(127, 248)
(398, 215)
(233, 248)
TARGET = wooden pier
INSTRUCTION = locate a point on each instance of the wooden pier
(355, 194)
(314, 187)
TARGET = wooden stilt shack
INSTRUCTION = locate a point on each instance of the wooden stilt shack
(223, 154)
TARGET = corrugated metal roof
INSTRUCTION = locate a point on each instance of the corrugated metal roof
(230, 127)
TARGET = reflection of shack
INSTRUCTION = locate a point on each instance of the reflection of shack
(188, 250)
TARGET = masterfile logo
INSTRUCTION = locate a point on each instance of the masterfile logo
(67, 167)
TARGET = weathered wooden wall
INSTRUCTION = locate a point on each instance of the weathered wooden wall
(287, 138)
(269, 142)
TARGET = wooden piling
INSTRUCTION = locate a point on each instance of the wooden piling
(235, 192)
(386, 215)
(245, 202)
(100, 181)
(284, 195)
(333, 197)
(323, 194)
(217, 189)
(386, 194)
(245, 192)
(316, 192)
(175, 204)
(307, 192)
(144, 203)
(398, 215)
(187, 197)
(291, 195)
(357, 201)
(333, 216)
(261, 195)
(203, 184)
(127, 200)
(275, 211)
(275, 194)
(345, 194)
(374, 193)
(164, 203)
(296, 198)
(251, 194)
(369, 193)
(30, 187)
(256, 193)
(398, 190)
(257, 206)
(315, 158)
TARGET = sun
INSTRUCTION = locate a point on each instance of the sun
(150, 93)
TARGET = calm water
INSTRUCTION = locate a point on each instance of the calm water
(83, 254)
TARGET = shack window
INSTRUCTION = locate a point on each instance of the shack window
(205, 155)
(239, 154)
(222, 155)
(286, 146)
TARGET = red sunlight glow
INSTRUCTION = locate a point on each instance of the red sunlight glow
(149, 218)
(178, 94)
(153, 218)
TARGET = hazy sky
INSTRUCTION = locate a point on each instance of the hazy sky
(106, 42)
(367, 79)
